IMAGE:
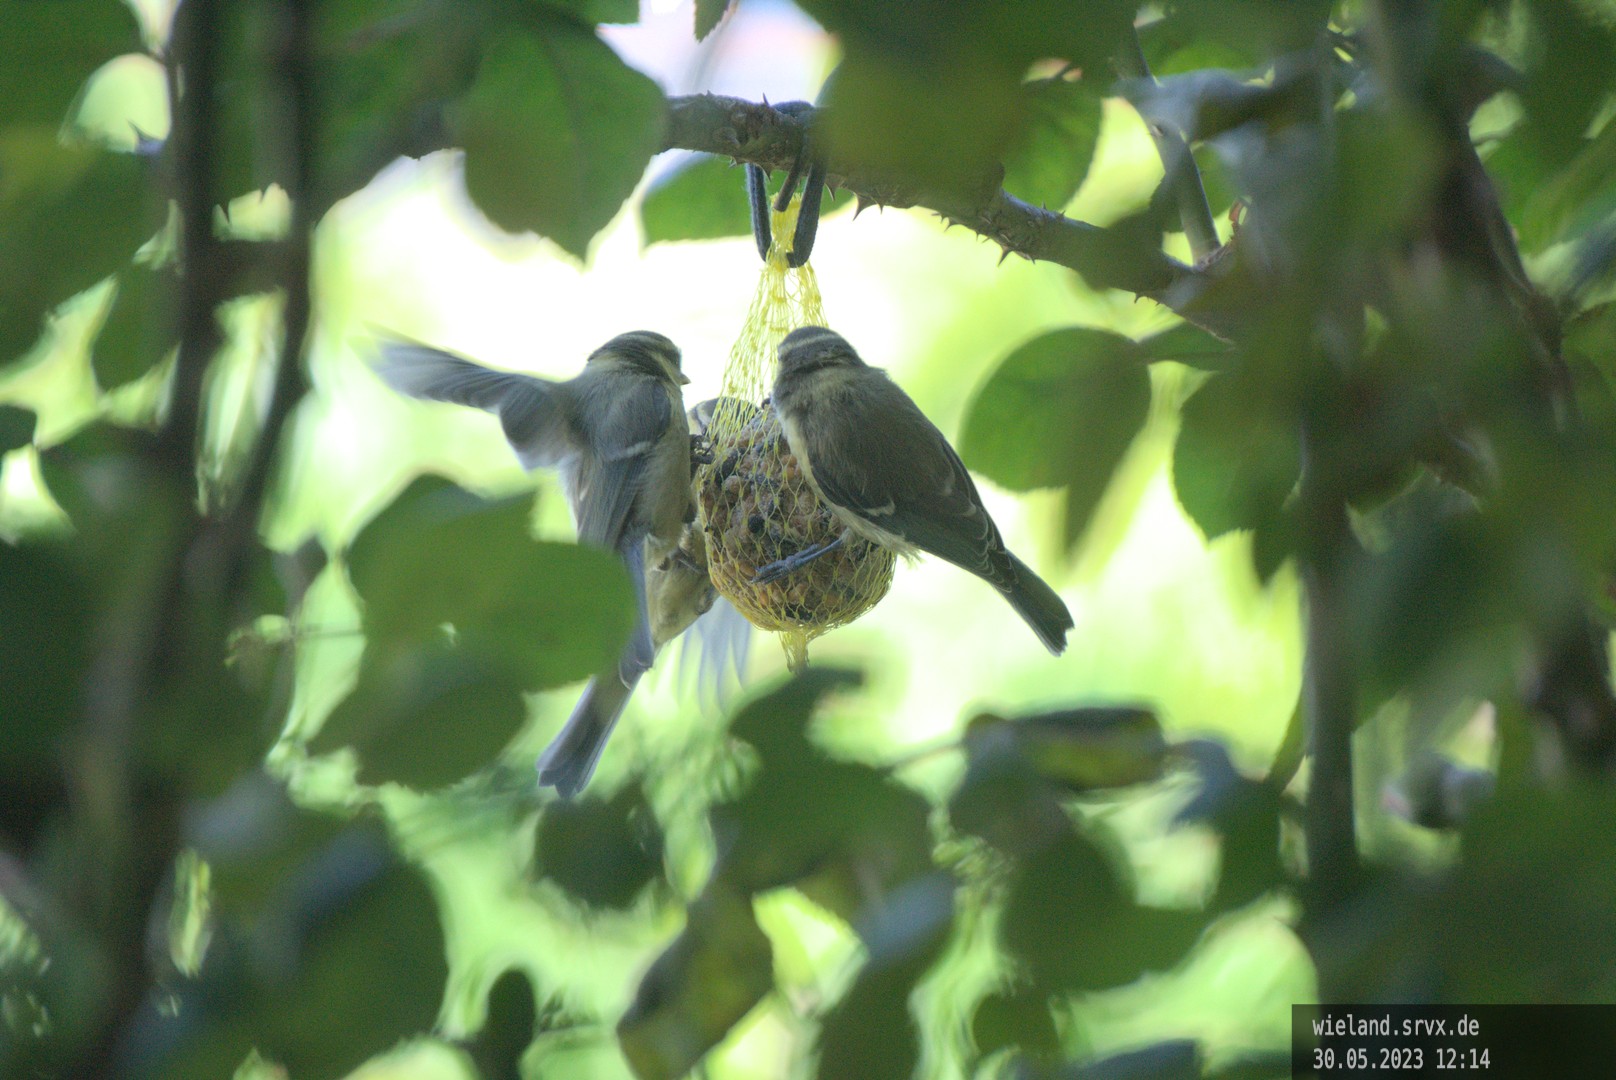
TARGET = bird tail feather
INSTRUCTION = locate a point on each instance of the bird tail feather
(570, 759)
(1039, 605)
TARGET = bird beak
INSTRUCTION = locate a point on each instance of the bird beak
(684, 380)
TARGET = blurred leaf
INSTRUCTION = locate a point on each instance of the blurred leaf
(929, 93)
(553, 613)
(598, 11)
(712, 975)
(45, 621)
(805, 815)
(1173, 1059)
(384, 70)
(1246, 815)
(69, 216)
(709, 13)
(16, 427)
(1084, 33)
(1079, 749)
(1234, 33)
(603, 853)
(917, 129)
(703, 199)
(1524, 917)
(140, 330)
(1071, 925)
(50, 48)
(507, 1032)
(341, 963)
(463, 611)
(1573, 198)
(1574, 65)
(1047, 164)
(195, 723)
(425, 715)
(557, 132)
(1061, 410)
(1188, 344)
(1018, 1020)
(870, 1033)
(1235, 462)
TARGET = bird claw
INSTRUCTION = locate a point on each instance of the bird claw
(781, 567)
(701, 451)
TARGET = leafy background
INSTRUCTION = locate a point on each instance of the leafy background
(270, 804)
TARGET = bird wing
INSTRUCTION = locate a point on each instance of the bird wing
(532, 411)
(884, 462)
(634, 414)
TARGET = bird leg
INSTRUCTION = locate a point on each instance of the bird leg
(780, 568)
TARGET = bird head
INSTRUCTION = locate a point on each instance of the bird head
(647, 350)
(811, 348)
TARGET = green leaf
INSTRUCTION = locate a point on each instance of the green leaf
(339, 963)
(703, 199)
(46, 614)
(1069, 921)
(1188, 344)
(508, 1031)
(425, 715)
(1235, 462)
(929, 94)
(557, 131)
(48, 50)
(551, 612)
(1174, 1059)
(1060, 411)
(709, 13)
(1575, 54)
(1013, 36)
(603, 853)
(712, 975)
(598, 11)
(16, 428)
(69, 217)
(463, 612)
(1047, 164)
(807, 816)
(139, 331)
(916, 128)
(384, 69)
(870, 1033)
(1574, 198)
(1015, 1019)
(1080, 749)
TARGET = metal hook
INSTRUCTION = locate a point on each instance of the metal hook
(802, 240)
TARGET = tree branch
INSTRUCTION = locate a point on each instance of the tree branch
(1182, 175)
(761, 135)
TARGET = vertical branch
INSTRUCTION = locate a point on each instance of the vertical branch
(1182, 175)
(193, 76)
(293, 64)
(1328, 695)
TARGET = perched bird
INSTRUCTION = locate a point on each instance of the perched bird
(890, 476)
(619, 438)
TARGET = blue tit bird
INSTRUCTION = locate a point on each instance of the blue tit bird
(890, 477)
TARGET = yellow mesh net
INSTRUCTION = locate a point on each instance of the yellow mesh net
(756, 505)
